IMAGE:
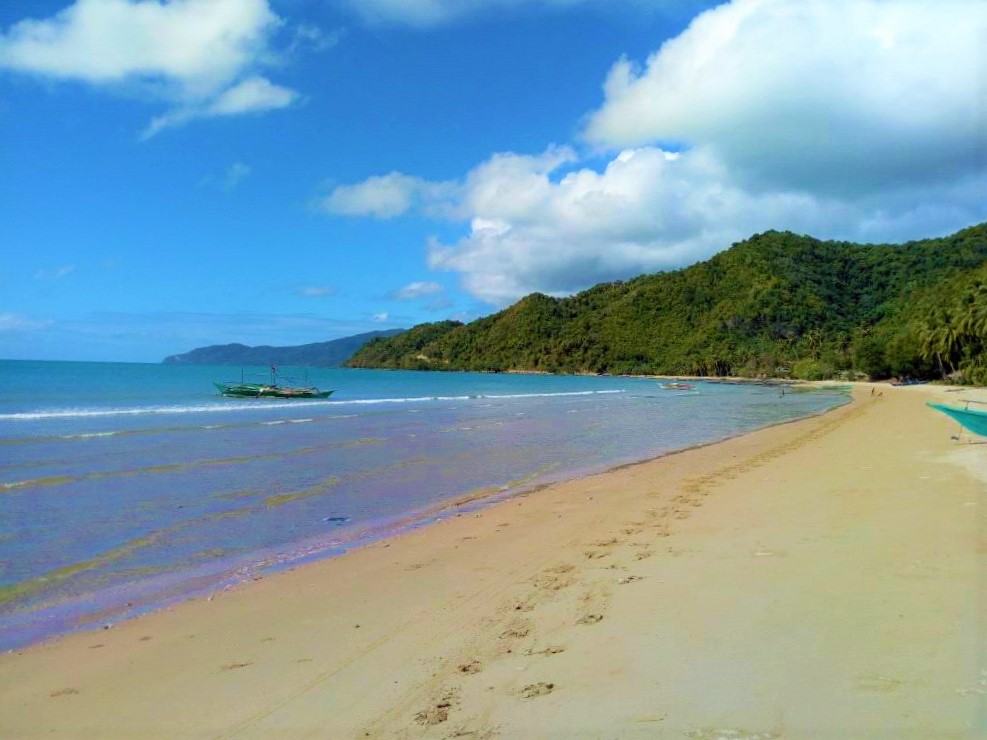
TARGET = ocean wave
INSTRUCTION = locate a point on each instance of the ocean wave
(84, 413)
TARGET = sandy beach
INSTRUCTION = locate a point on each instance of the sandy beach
(819, 579)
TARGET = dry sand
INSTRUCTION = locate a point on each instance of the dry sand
(822, 579)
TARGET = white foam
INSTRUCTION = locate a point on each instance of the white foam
(83, 413)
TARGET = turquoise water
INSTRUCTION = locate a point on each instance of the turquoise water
(123, 486)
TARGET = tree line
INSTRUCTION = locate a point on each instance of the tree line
(775, 305)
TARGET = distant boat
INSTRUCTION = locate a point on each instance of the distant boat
(268, 390)
(677, 386)
(971, 419)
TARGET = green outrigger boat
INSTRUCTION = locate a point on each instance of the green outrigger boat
(972, 420)
(268, 390)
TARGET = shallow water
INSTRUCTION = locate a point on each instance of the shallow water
(125, 485)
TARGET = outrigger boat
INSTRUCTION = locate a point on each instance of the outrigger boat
(677, 386)
(268, 390)
(971, 419)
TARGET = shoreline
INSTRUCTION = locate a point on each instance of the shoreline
(404, 635)
(126, 601)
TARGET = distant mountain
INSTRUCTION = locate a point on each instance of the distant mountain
(777, 304)
(318, 354)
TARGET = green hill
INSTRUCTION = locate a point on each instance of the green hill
(777, 304)
(318, 354)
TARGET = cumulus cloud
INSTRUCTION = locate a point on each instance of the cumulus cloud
(647, 210)
(198, 55)
(848, 119)
(837, 96)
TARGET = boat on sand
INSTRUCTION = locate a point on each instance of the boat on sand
(972, 420)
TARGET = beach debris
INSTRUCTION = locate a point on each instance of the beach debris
(234, 666)
(537, 689)
(550, 650)
(589, 619)
(651, 718)
(730, 734)
(63, 692)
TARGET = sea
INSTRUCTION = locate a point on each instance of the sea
(125, 487)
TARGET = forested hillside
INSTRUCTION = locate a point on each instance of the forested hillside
(318, 354)
(777, 304)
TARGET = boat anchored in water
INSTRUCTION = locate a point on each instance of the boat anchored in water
(677, 386)
(268, 390)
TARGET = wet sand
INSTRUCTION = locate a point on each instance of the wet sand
(820, 579)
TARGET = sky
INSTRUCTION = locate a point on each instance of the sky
(179, 173)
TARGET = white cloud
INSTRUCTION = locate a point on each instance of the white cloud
(383, 196)
(254, 95)
(380, 317)
(845, 119)
(198, 55)
(55, 274)
(387, 196)
(536, 223)
(836, 96)
(12, 322)
(416, 290)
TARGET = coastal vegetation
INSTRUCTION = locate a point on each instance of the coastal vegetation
(778, 304)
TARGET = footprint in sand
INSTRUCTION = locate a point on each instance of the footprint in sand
(537, 689)
(643, 554)
(517, 629)
(438, 711)
(63, 692)
(434, 715)
(589, 619)
(596, 554)
(470, 667)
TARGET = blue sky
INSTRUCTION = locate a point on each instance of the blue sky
(189, 172)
